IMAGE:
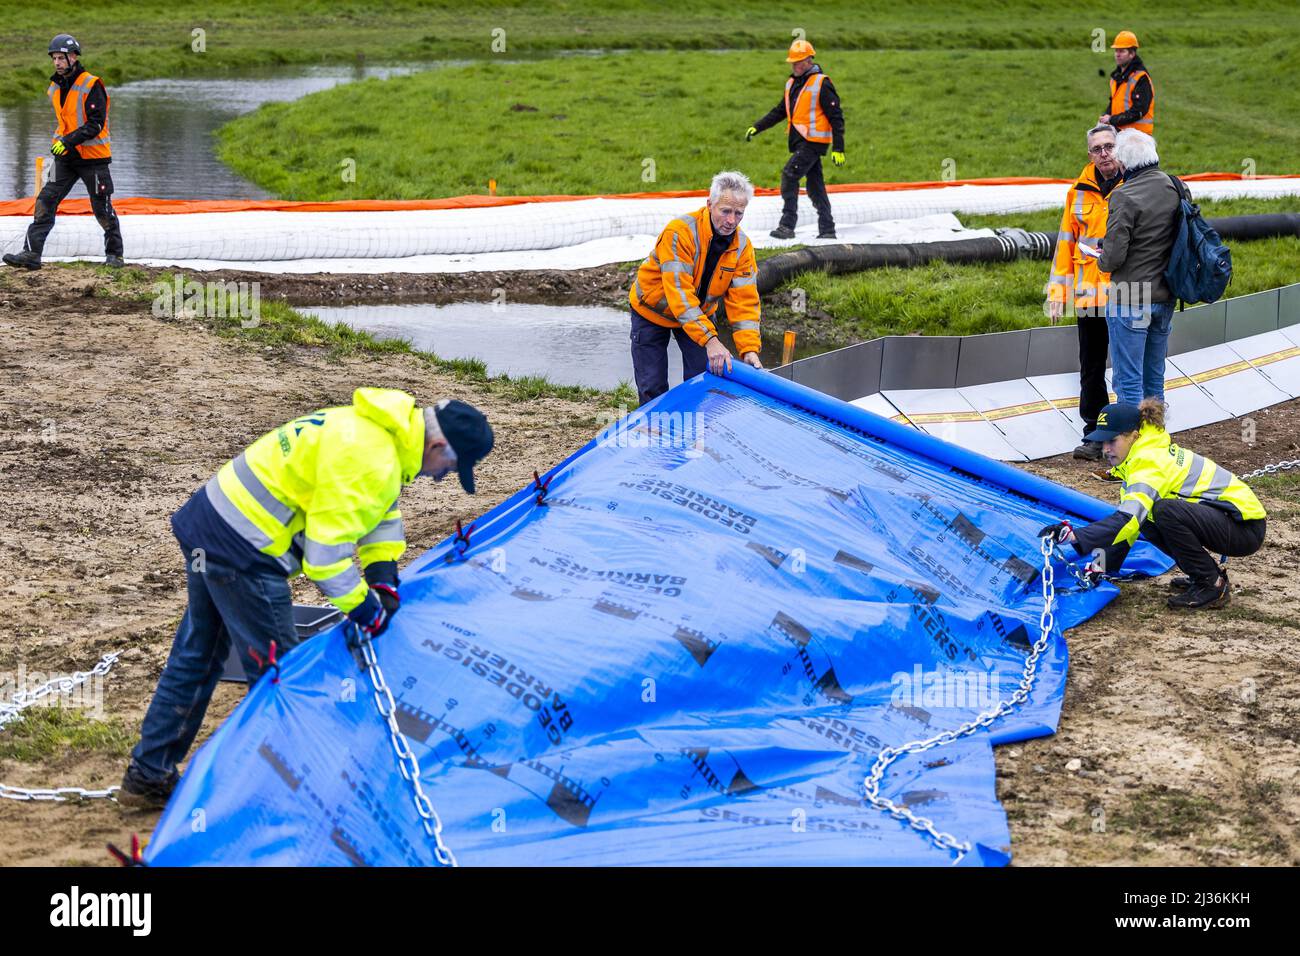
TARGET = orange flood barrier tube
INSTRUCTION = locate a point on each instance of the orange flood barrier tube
(134, 205)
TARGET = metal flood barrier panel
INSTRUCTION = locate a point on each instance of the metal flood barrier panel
(991, 393)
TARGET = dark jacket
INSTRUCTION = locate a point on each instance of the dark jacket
(1140, 232)
(829, 101)
(1142, 94)
(96, 114)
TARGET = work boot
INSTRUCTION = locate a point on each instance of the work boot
(141, 794)
(827, 235)
(1088, 451)
(1183, 582)
(114, 262)
(23, 260)
(780, 232)
(1203, 595)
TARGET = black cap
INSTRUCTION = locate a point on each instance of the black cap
(469, 434)
(1118, 418)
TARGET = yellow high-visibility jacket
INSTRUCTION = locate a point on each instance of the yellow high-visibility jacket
(1157, 468)
(1084, 221)
(664, 290)
(326, 485)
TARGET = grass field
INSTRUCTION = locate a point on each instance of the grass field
(661, 121)
(945, 299)
(133, 41)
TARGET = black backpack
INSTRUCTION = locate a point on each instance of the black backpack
(1200, 265)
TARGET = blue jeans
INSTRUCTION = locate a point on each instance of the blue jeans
(1139, 342)
(650, 356)
(251, 608)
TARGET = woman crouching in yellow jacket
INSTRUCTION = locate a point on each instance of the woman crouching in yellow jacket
(1180, 501)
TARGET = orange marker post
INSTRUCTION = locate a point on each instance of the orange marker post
(787, 349)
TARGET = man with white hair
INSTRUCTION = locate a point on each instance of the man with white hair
(302, 498)
(1141, 226)
(700, 260)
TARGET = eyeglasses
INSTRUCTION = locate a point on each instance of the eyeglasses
(1100, 150)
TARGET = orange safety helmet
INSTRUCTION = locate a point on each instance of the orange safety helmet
(802, 49)
(1125, 40)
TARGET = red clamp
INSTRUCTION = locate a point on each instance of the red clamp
(269, 662)
(136, 857)
(541, 487)
(461, 540)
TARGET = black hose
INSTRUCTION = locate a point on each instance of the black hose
(1008, 245)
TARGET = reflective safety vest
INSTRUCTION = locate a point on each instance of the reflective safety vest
(807, 116)
(72, 116)
(1157, 468)
(314, 490)
(665, 288)
(1121, 99)
(1084, 221)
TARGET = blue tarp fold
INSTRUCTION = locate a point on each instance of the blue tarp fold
(689, 655)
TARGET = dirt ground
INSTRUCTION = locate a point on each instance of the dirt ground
(1186, 727)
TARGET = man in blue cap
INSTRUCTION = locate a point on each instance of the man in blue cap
(1180, 501)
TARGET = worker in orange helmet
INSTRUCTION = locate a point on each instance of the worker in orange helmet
(814, 123)
(1132, 97)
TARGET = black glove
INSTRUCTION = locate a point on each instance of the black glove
(382, 578)
(369, 616)
(1060, 533)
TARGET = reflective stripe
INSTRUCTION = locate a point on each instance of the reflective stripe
(276, 508)
(1092, 240)
(1142, 488)
(1061, 280)
(677, 279)
(390, 530)
(340, 584)
(690, 315)
(695, 233)
(323, 555)
(744, 280)
(745, 325)
(675, 266)
(814, 96)
(1064, 236)
(242, 526)
(1193, 476)
(1135, 508)
(1218, 484)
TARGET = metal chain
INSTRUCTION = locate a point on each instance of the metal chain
(946, 841)
(406, 760)
(1272, 469)
(10, 710)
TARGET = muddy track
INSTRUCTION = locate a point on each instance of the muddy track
(112, 417)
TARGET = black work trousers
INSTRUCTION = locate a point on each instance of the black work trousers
(1094, 347)
(1183, 530)
(805, 162)
(100, 186)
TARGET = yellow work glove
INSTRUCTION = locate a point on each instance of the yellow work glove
(838, 159)
(750, 134)
(58, 149)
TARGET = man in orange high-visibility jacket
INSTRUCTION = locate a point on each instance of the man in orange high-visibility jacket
(82, 151)
(814, 123)
(1077, 277)
(699, 260)
(1132, 97)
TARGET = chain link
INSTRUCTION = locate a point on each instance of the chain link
(406, 759)
(1272, 469)
(946, 841)
(10, 710)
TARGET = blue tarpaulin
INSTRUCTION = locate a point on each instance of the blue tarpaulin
(689, 654)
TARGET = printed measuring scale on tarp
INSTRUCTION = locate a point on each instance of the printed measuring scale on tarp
(690, 653)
